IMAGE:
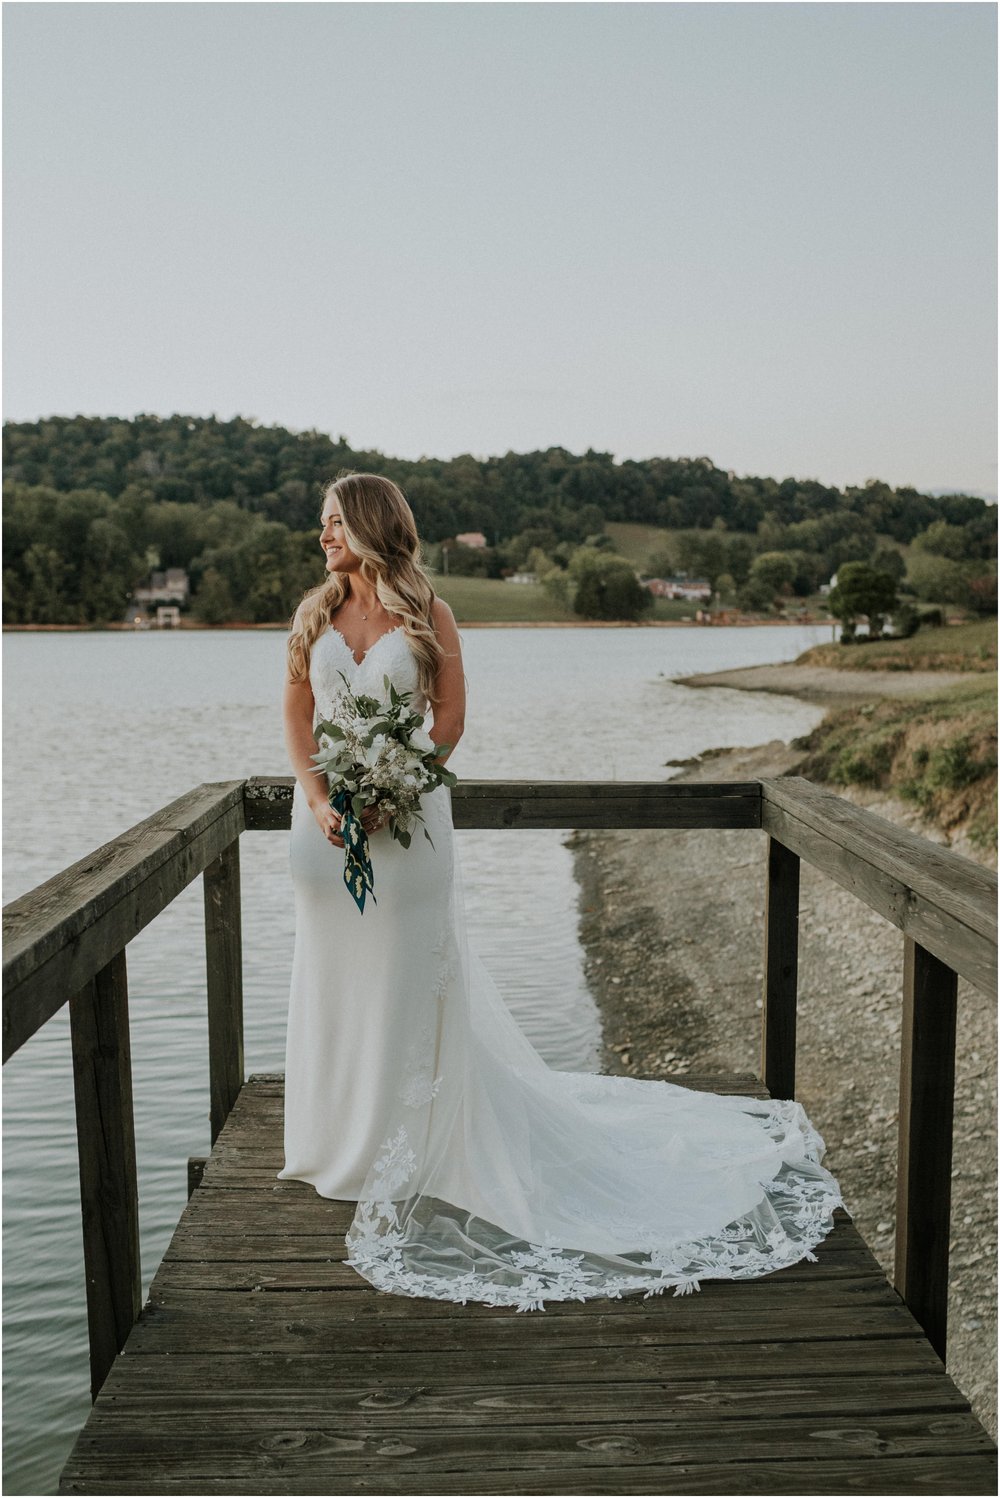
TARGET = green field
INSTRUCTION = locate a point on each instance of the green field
(637, 543)
(674, 608)
(487, 600)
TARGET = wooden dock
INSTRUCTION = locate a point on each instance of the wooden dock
(262, 1363)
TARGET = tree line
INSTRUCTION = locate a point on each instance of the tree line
(92, 504)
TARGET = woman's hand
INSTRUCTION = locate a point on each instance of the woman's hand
(329, 822)
(372, 819)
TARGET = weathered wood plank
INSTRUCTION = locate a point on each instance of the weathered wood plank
(59, 935)
(926, 1114)
(606, 804)
(781, 971)
(616, 1361)
(268, 1385)
(177, 1278)
(281, 1323)
(571, 804)
(948, 1475)
(105, 1130)
(224, 974)
(233, 1446)
(966, 890)
(944, 901)
(218, 1210)
(214, 1252)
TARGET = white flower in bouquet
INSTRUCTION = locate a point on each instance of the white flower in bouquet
(421, 740)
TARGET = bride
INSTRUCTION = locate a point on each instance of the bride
(479, 1173)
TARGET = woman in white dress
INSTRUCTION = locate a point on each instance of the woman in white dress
(479, 1173)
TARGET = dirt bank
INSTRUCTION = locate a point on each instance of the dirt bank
(672, 926)
(825, 683)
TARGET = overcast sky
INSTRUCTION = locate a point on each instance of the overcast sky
(758, 232)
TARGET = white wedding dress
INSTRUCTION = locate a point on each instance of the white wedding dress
(479, 1172)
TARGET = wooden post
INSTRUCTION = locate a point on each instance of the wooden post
(926, 1110)
(195, 1171)
(781, 971)
(109, 1197)
(224, 964)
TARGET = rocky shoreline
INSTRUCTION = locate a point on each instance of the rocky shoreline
(825, 683)
(672, 927)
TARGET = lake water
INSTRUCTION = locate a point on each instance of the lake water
(102, 729)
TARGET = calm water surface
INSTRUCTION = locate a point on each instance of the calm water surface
(102, 729)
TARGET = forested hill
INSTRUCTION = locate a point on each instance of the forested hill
(93, 503)
(277, 473)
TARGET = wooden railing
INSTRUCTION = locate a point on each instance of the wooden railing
(66, 940)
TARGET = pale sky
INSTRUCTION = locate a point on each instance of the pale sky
(763, 233)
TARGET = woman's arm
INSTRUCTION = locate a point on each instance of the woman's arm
(298, 708)
(449, 686)
(300, 740)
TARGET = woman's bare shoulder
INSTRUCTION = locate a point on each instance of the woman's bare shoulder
(443, 619)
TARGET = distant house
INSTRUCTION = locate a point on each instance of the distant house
(471, 538)
(697, 588)
(171, 586)
(523, 577)
(168, 592)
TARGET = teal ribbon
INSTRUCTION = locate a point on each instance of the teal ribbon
(358, 873)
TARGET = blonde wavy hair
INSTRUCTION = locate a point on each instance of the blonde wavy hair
(380, 529)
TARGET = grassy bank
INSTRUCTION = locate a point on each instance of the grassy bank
(958, 647)
(938, 751)
(488, 600)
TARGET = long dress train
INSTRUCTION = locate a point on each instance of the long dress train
(479, 1172)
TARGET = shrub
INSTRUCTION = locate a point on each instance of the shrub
(952, 766)
(867, 762)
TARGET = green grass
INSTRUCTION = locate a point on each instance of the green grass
(674, 608)
(637, 543)
(484, 600)
(487, 600)
(955, 647)
(938, 750)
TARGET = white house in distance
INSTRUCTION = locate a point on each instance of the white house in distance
(695, 588)
(471, 538)
(172, 586)
(167, 591)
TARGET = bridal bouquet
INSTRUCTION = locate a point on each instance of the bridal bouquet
(376, 753)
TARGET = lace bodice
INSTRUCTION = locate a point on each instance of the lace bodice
(390, 656)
